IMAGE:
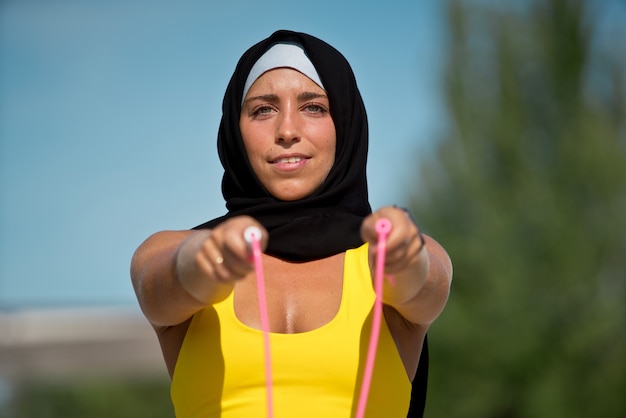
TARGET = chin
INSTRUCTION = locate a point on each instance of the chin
(290, 196)
(290, 192)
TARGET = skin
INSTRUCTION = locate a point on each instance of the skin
(288, 133)
(177, 273)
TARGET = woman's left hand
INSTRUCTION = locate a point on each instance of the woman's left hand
(421, 267)
(405, 244)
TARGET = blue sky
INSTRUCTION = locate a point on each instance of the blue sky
(109, 114)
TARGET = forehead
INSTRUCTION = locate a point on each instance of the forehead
(283, 80)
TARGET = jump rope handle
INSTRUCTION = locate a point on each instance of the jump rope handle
(252, 235)
(382, 228)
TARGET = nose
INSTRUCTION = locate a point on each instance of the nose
(288, 127)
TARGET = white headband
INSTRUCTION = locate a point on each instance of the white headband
(282, 55)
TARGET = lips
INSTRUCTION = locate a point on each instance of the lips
(289, 162)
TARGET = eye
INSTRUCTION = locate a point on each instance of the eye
(315, 108)
(261, 111)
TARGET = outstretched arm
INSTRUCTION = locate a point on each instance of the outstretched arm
(177, 273)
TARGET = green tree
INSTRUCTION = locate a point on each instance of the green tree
(527, 191)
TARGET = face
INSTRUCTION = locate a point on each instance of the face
(288, 133)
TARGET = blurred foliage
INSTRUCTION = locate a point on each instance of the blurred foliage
(94, 398)
(527, 192)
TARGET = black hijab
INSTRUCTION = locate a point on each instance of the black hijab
(328, 221)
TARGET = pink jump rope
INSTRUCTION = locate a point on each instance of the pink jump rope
(252, 235)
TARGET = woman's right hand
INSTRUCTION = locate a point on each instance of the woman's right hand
(209, 262)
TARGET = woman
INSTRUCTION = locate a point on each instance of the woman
(293, 143)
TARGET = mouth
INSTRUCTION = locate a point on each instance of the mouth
(290, 163)
(287, 160)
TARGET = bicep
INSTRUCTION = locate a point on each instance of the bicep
(153, 274)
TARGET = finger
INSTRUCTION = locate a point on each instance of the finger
(368, 230)
(207, 259)
(407, 256)
(237, 261)
(216, 263)
(237, 247)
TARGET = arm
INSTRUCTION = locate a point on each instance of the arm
(177, 273)
(421, 267)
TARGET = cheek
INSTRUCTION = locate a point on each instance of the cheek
(328, 140)
(331, 145)
(250, 143)
(329, 151)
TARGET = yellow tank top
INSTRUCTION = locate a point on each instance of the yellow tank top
(220, 371)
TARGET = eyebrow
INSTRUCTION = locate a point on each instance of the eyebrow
(273, 98)
(307, 95)
(263, 97)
